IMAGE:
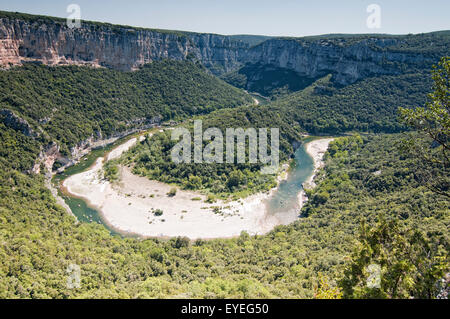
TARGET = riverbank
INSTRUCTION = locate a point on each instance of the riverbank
(134, 204)
(316, 149)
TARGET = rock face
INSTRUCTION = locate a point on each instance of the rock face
(349, 58)
(122, 48)
(347, 62)
(51, 153)
(17, 123)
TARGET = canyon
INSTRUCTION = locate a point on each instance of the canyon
(28, 38)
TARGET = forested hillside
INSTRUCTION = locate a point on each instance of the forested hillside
(368, 105)
(378, 199)
(71, 103)
(39, 239)
(322, 107)
(152, 157)
(280, 66)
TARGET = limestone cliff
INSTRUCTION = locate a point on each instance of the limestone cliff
(51, 42)
(349, 58)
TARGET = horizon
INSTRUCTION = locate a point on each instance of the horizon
(290, 19)
(234, 34)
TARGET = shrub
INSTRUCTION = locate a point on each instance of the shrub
(172, 192)
(158, 212)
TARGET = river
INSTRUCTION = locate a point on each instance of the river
(285, 199)
(283, 204)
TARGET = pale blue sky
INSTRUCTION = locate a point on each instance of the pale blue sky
(283, 17)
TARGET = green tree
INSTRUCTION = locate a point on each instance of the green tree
(235, 179)
(194, 182)
(181, 242)
(325, 290)
(172, 192)
(392, 262)
(111, 171)
(433, 124)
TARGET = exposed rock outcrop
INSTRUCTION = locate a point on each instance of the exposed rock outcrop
(122, 48)
(348, 62)
(49, 41)
(10, 119)
(51, 152)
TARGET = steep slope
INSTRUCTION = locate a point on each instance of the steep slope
(48, 40)
(40, 240)
(348, 57)
(351, 58)
(74, 105)
(364, 176)
(367, 105)
(285, 65)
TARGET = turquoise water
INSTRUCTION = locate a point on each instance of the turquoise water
(283, 203)
(79, 207)
(82, 211)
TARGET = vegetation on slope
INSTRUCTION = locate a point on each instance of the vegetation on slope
(270, 81)
(39, 240)
(33, 18)
(403, 262)
(72, 103)
(152, 157)
(368, 177)
(274, 81)
(433, 121)
(365, 176)
(397, 262)
(367, 105)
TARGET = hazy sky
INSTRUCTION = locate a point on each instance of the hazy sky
(288, 17)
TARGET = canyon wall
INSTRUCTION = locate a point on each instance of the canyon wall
(122, 48)
(349, 58)
(347, 62)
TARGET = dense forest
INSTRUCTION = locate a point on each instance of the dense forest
(153, 160)
(367, 105)
(39, 239)
(152, 157)
(370, 105)
(103, 101)
(371, 204)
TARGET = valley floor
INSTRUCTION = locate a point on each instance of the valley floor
(128, 206)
